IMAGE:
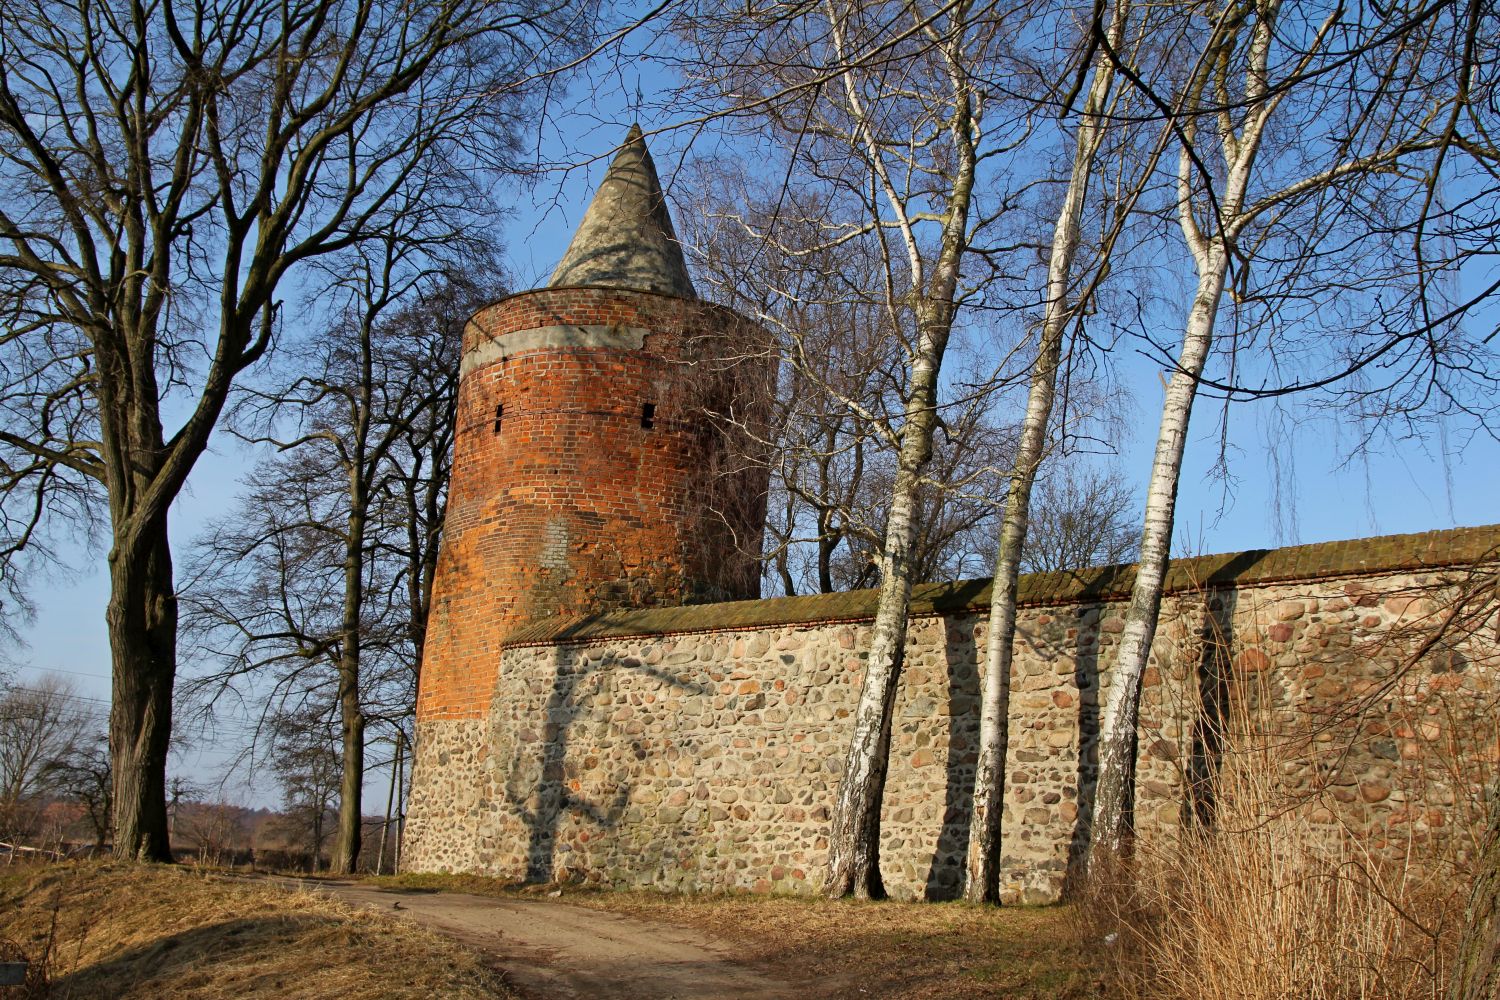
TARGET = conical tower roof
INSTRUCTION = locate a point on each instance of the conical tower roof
(626, 238)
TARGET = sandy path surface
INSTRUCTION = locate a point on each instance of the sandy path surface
(549, 949)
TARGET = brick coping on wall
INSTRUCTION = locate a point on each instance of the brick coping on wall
(1321, 561)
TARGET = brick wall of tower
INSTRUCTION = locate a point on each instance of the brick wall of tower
(567, 504)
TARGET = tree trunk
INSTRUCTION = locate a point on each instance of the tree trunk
(828, 543)
(982, 884)
(390, 801)
(854, 848)
(351, 712)
(1117, 736)
(400, 799)
(351, 782)
(1210, 249)
(828, 538)
(142, 620)
(854, 857)
(1476, 968)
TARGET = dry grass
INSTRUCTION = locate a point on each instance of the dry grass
(870, 951)
(1245, 916)
(1266, 907)
(158, 932)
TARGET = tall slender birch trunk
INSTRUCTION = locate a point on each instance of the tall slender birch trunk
(854, 855)
(854, 842)
(1210, 249)
(982, 884)
(1240, 123)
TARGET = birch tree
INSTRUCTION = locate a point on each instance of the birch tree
(933, 277)
(1061, 304)
(879, 103)
(828, 441)
(1252, 63)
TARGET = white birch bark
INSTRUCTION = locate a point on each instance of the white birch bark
(1121, 712)
(854, 846)
(854, 840)
(1212, 245)
(983, 868)
(1210, 250)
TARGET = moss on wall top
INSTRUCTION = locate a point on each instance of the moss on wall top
(1361, 556)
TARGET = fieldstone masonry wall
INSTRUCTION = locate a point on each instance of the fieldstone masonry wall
(700, 748)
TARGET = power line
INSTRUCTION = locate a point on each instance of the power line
(75, 673)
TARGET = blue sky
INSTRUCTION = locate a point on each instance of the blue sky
(1291, 478)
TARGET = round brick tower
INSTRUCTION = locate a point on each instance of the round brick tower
(594, 462)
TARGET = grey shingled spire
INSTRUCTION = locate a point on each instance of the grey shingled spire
(626, 239)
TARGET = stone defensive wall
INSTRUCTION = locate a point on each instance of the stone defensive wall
(700, 748)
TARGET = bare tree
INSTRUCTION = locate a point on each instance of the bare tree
(167, 176)
(1067, 295)
(830, 440)
(877, 105)
(1246, 201)
(40, 725)
(840, 349)
(324, 574)
(956, 506)
(1081, 517)
(83, 775)
(305, 761)
(832, 466)
(215, 830)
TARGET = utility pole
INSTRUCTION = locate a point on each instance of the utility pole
(172, 813)
(390, 799)
(400, 793)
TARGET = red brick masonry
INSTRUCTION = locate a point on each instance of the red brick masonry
(569, 496)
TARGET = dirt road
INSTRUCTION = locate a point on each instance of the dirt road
(549, 949)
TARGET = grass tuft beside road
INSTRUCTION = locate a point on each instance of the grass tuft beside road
(147, 931)
(848, 950)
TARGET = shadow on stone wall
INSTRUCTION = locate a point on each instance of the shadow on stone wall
(945, 876)
(1214, 674)
(1086, 682)
(567, 701)
(1213, 670)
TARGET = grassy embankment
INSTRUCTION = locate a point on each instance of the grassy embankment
(105, 930)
